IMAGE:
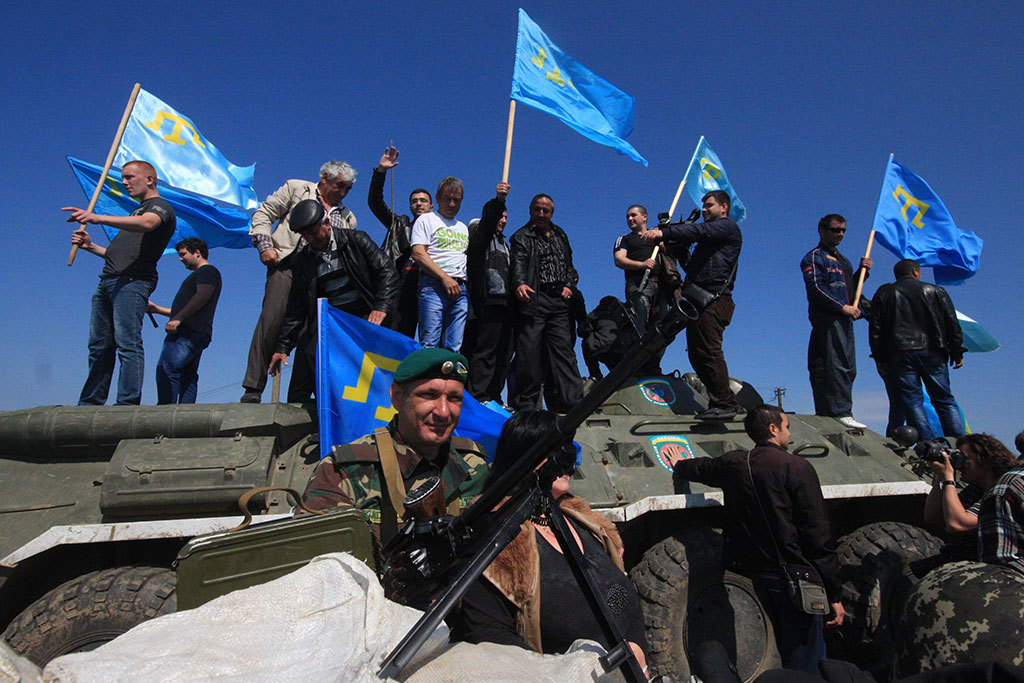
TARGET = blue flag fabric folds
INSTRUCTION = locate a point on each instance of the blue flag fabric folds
(217, 225)
(182, 156)
(706, 173)
(912, 222)
(550, 80)
(976, 338)
(356, 362)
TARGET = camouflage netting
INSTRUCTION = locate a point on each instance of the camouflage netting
(960, 613)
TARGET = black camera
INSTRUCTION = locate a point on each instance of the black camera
(932, 450)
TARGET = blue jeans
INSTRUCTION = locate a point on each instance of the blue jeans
(910, 369)
(442, 318)
(177, 371)
(116, 325)
(800, 637)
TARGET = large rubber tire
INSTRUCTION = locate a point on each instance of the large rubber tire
(961, 613)
(90, 610)
(687, 599)
(875, 567)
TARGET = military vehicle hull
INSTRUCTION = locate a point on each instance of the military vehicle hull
(99, 489)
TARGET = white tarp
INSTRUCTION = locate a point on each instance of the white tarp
(328, 621)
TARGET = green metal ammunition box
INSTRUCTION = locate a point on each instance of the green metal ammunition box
(213, 565)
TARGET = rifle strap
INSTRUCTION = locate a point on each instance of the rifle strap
(389, 466)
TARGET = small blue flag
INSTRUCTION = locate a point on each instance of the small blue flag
(197, 216)
(356, 361)
(912, 222)
(706, 173)
(550, 80)
(182, 156)
(976, 338)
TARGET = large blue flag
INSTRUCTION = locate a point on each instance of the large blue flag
(550, 80)
(706, 173)
(182, 156)
(912, 222)
(356, 362)
(202, 217)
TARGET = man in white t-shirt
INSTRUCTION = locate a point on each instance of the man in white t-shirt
(439, 248)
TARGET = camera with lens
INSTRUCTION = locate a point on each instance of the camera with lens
(931, 450)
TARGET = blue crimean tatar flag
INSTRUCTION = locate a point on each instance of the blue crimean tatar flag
(706, 173)
(182, 156)
(356, 362)
(550, 80)
(912, 222)
(197, 216)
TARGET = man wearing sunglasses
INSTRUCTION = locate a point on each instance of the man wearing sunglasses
(831, 357)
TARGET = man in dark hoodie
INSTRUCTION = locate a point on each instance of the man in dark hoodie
(487, 263)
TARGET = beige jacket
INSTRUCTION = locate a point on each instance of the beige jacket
(516, 570)
(275, 208)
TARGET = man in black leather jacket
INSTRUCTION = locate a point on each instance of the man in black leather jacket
(344, 266)
(913, 333)
(711, 266)
(397, 243)
(541, 275)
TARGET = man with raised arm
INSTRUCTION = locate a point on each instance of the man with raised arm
(276, 246)
(128, 278)
(398, 242)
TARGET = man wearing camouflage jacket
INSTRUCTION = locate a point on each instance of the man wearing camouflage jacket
(375, 472)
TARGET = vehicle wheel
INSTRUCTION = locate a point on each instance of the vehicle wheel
(960, 613)
(875, 567)
(90, 610)
(687, 599)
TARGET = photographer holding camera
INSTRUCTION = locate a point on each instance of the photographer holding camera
(998, 516)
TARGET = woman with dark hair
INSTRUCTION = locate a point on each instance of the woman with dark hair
(528, 595)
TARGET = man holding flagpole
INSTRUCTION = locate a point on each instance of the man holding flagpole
(831, 356)
(128, 278)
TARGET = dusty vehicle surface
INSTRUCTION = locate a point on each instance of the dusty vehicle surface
(99, 502)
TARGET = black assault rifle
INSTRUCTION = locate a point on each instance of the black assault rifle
(438, 558)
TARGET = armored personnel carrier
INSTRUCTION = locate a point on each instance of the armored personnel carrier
(98, 502)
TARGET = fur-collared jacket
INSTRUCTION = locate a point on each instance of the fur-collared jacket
(516, 570)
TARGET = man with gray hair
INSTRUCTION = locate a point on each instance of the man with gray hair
(439, 243)
(276, 246)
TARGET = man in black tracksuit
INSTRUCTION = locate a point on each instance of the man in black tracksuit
(541, 280)
(343, 266)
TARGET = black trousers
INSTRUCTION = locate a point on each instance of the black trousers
(405, 315)
(490, 353)
(832, 365)
(704, 347)
(545, 355)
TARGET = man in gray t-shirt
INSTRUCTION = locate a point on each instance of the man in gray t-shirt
(128, 278)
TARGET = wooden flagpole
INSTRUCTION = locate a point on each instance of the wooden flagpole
(110, 160)
(863, 273)
(508, 140)
(675, 200)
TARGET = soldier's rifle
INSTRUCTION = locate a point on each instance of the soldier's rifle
(439, 557)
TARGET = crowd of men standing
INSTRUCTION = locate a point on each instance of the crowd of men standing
(435, 277)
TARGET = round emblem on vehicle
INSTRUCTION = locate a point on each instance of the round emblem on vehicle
(658, 391)
(666, 444)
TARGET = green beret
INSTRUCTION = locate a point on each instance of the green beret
(433, 364)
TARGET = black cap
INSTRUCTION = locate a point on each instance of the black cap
(305, 216)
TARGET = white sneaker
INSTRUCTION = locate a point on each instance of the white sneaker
(849, 422)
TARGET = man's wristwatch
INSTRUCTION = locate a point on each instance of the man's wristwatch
(948, 482)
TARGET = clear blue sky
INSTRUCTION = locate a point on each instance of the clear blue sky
(802, 101)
